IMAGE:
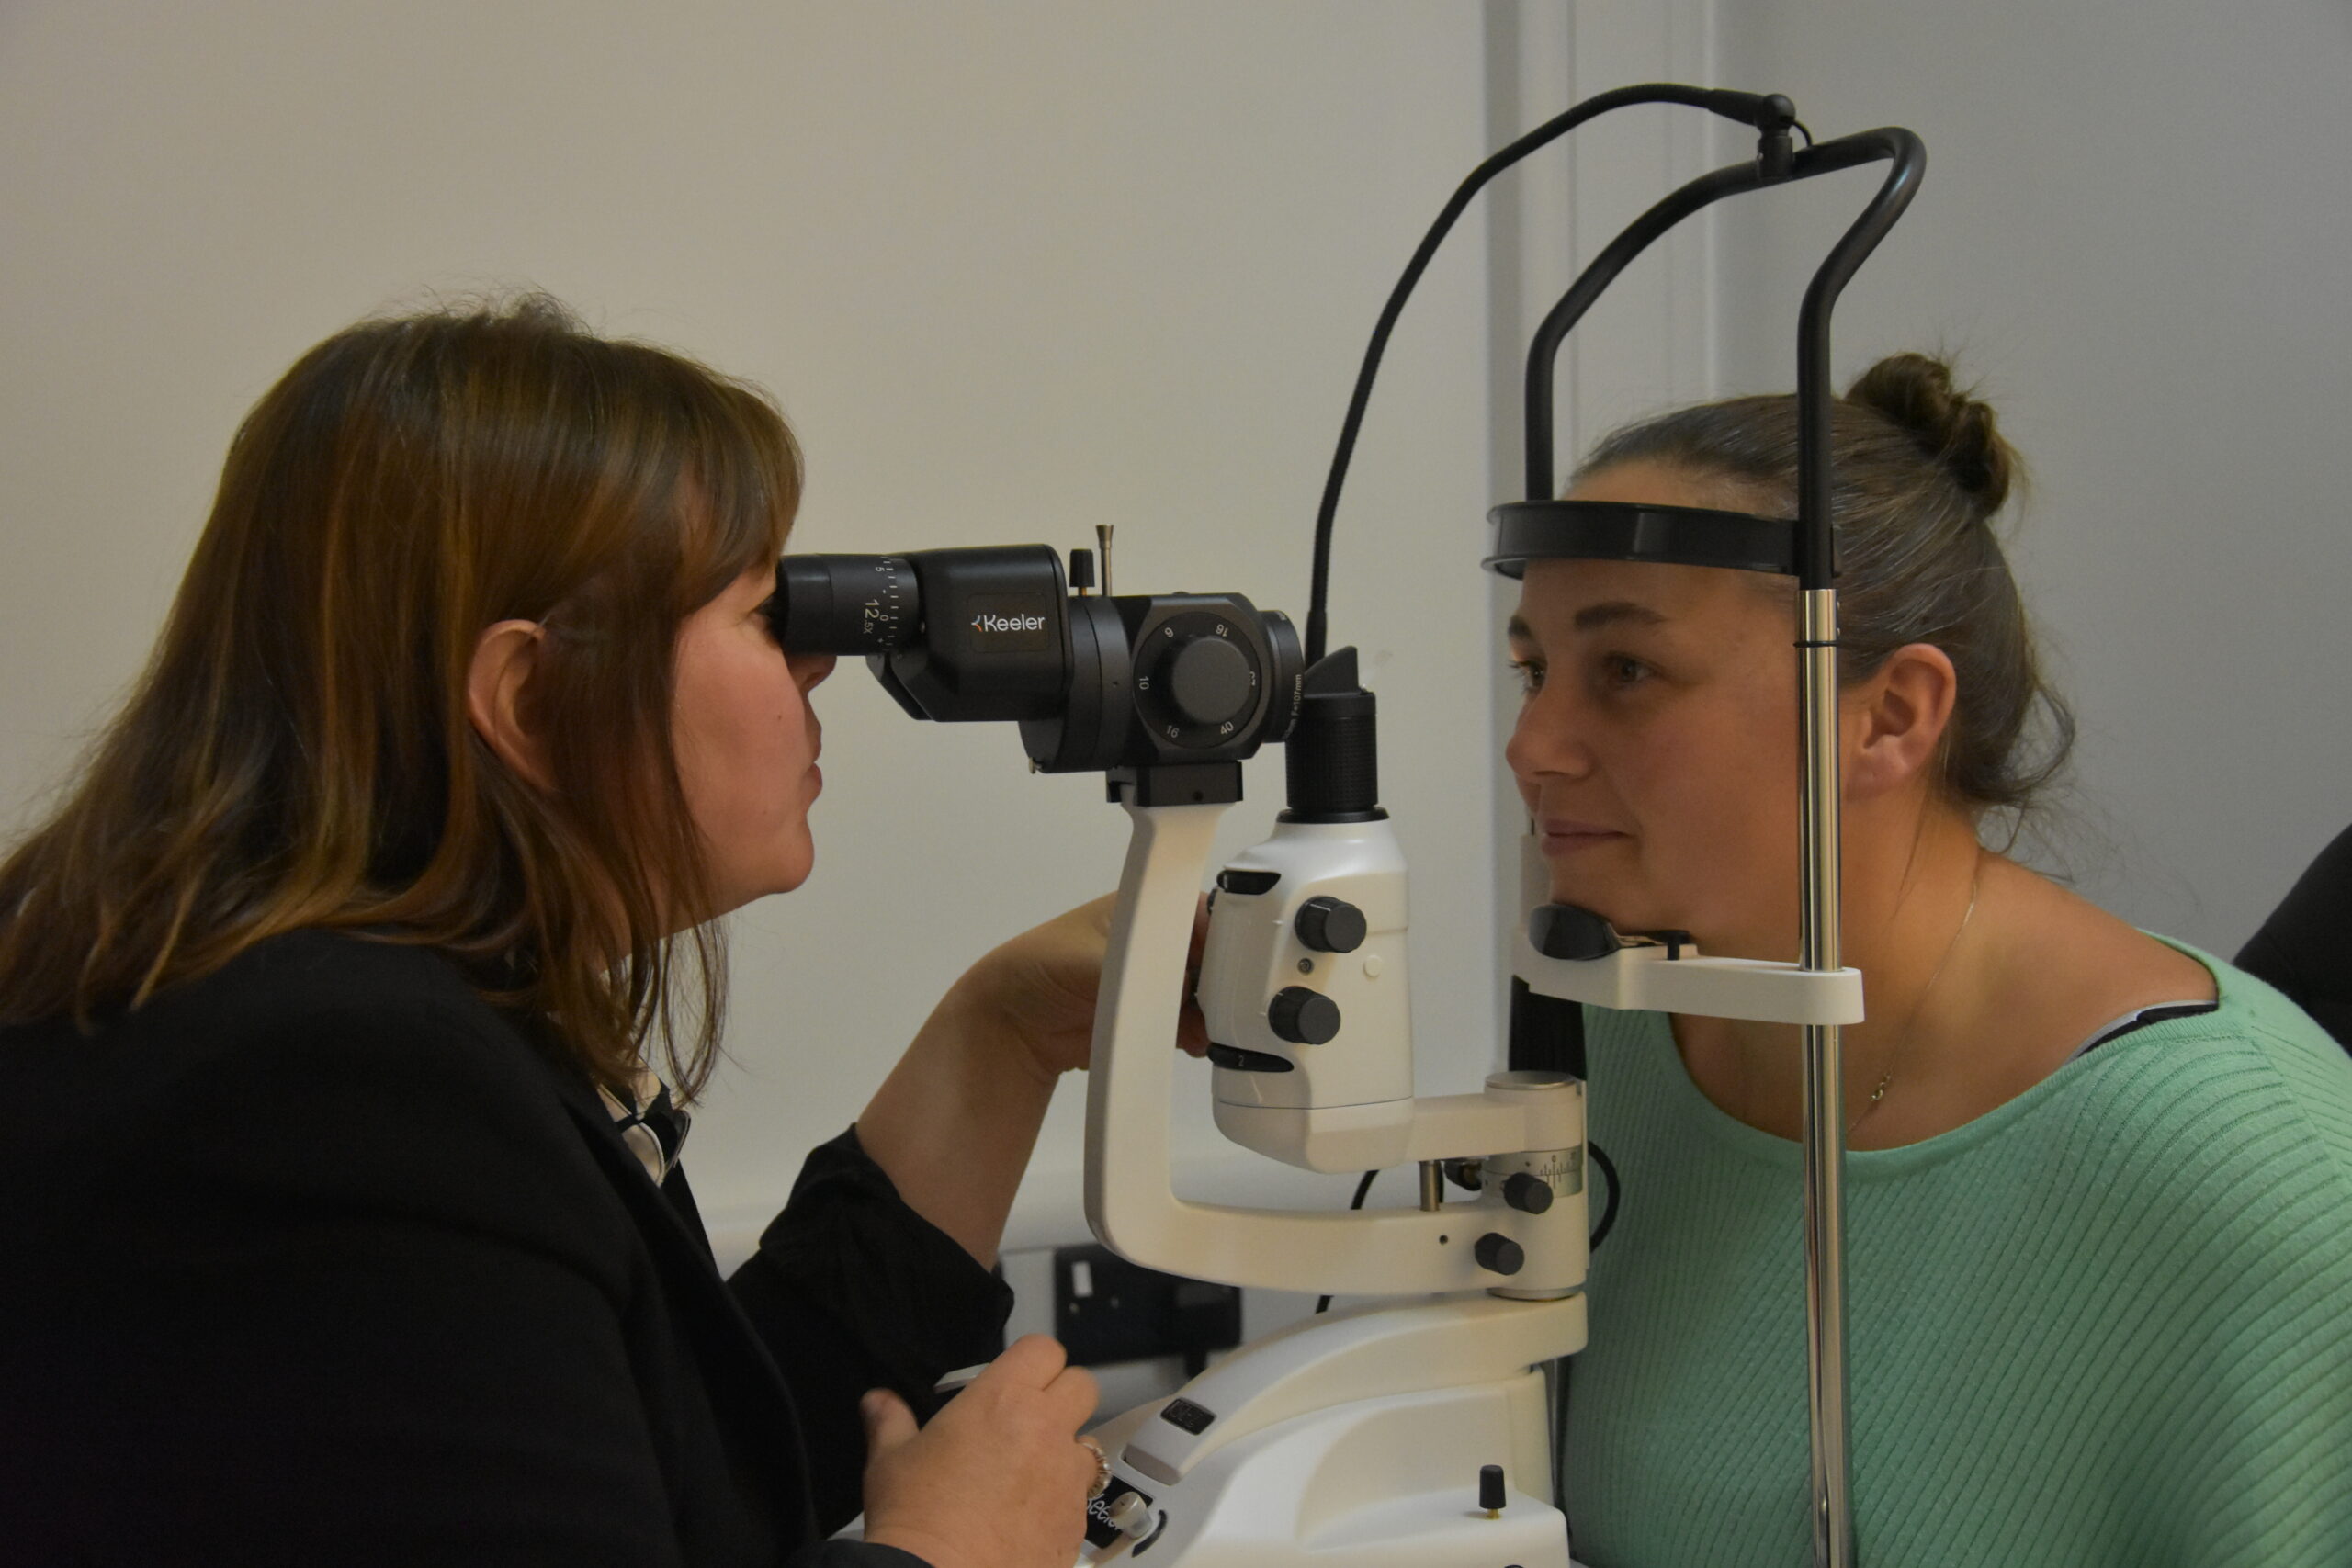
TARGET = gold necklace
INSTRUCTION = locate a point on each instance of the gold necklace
(1976, 885)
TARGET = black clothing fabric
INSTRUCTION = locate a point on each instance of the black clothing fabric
(322, 1260)
(2305, 947)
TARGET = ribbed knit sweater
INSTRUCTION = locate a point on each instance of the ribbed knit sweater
(2108, 1323)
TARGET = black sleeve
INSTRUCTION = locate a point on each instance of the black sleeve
(352, 1293)
(852, 1290)
(854, 1554)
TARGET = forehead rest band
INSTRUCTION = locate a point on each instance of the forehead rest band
(1522, 531)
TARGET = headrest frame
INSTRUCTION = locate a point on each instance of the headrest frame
(1620, 530)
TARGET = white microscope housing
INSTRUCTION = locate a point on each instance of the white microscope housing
(1303, 985)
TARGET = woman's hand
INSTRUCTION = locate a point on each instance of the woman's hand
(1038, 989)
(998, 1480)
(955, 1122)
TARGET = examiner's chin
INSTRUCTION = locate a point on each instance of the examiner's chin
(790, 871)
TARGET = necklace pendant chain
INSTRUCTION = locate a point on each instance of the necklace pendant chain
(1911, 1024)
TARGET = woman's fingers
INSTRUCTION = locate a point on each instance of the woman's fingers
(888, 1422)
(1075, 1390)
(1034, 1360)
(1040, 987)
(1038, 1363)
(1033, 1381)
(1192, 1025)
(1192, 1029)
(999, 1478)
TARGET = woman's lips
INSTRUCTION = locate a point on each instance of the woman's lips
(1561, 837)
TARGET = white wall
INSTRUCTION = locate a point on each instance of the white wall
(1013, 269)
(2134, 229)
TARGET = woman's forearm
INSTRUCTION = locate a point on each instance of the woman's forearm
(954, 1124)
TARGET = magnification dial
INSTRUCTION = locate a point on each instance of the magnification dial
(1198, 679)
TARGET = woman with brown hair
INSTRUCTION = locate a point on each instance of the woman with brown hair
(2099, 1197)
(345, 1224)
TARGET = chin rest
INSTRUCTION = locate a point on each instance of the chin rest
(2305, 947)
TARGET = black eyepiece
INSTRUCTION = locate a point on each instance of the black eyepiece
(845, 605)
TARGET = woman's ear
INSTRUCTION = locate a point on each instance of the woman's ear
(505, 658)
(1895, 721)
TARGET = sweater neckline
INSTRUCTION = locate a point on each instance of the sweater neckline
(1867, 1166)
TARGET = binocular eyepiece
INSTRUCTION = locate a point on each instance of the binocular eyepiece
(845, 605)
(1137, 682)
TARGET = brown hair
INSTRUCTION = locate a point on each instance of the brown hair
(298, 752)
(1920, 470)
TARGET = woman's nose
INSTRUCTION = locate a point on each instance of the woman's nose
(811, 669)
(1543, 743)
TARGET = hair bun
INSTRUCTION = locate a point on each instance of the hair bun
(1914, 392)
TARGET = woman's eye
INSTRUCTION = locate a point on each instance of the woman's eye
(1623, 669)
(1530, 675)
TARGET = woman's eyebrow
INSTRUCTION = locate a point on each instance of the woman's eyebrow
(1609, 612)
(1612, 612)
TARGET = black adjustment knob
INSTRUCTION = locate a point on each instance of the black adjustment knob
(1499, 1254)
(1490, 1488)
(1329, 925)
(1527, 1192)
(1208, 679)
(1303, 1016)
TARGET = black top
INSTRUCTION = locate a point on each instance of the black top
(2305, 947)
(322, 1260)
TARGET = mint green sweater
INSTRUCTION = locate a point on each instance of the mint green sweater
(2110, 1323)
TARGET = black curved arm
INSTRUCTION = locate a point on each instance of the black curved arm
(1543, 349)
(1892, 144)
(1769, 114)
(1816, 556)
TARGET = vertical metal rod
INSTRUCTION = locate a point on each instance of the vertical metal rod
(1103, 539)
(1433, 1186)
(1824, 1098)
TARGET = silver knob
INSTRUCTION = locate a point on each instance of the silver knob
(1130, 1516)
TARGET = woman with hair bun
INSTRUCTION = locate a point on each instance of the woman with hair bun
(341, 1206)
(2099, 1201)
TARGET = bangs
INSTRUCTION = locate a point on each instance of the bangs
(744, 477)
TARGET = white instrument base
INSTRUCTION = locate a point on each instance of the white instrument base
(1353, 1438)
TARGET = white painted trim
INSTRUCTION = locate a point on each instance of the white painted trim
(1653, 342)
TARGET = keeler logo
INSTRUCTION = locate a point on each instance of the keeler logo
(985, 622)
(1005, 624)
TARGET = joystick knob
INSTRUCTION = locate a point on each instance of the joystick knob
(1527, 1192)
(1303, 1016)
(1329, 925)
(1208, 679)
(1492, 1496)
(1499, 1254)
